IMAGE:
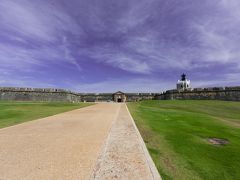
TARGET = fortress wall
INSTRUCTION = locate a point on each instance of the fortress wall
(38, 94)
(103, 97)
(88, 97)
(139, 96)
(60, 95)
(218, 93)
(95, 97)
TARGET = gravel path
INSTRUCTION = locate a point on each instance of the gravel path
(95, 142)
(124, 155)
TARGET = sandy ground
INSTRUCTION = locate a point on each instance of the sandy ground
(64, 146)
(97, 142)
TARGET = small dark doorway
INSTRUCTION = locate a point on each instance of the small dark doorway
(119, 100)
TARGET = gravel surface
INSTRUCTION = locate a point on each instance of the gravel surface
(125, 155)
(95, 142)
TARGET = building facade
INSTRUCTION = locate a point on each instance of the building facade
(119, 97)
(183, 84)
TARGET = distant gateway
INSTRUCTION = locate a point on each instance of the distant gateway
(119, 97)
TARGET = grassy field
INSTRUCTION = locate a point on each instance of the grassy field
(12, 113)
(176, 134)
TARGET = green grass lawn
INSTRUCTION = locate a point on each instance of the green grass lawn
(12, 113)
(176, 134)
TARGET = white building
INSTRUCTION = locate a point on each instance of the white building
(183, 84)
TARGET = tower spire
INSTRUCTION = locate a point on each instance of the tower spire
(183, 77)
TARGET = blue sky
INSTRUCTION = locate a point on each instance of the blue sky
(128, 45)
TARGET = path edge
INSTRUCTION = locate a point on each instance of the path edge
(103, 147)
(151, 165)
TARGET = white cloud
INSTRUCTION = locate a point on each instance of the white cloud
(36, 34)
(125, 85)
(218, 36)
(23, 81)
(40, 22)
(141, 37)
(127, 63)
(20, 58)
(67, 53)
(117, 57)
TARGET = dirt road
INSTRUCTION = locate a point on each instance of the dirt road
(73, 145)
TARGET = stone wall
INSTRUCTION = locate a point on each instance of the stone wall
(96, 97)
(38, 94)
(215, 93)
(139, 96)
(61, 95)
(103, 97)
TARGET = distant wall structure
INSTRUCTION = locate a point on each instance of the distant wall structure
(61, 95)
(215, 93)
(116, 97)
(185, 92)
(140, 96)
(38, 94)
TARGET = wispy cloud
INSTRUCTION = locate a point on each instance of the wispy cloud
(32, 35)
(23, 81)
(127, 85)
(156, 35)
(42, 21)
(131, 39)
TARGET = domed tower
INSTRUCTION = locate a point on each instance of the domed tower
(183, 84)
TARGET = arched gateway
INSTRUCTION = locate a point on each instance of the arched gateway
(119, 97)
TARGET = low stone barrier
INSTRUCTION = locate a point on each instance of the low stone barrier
(38, 94)
(214, 93)
(61, 95)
